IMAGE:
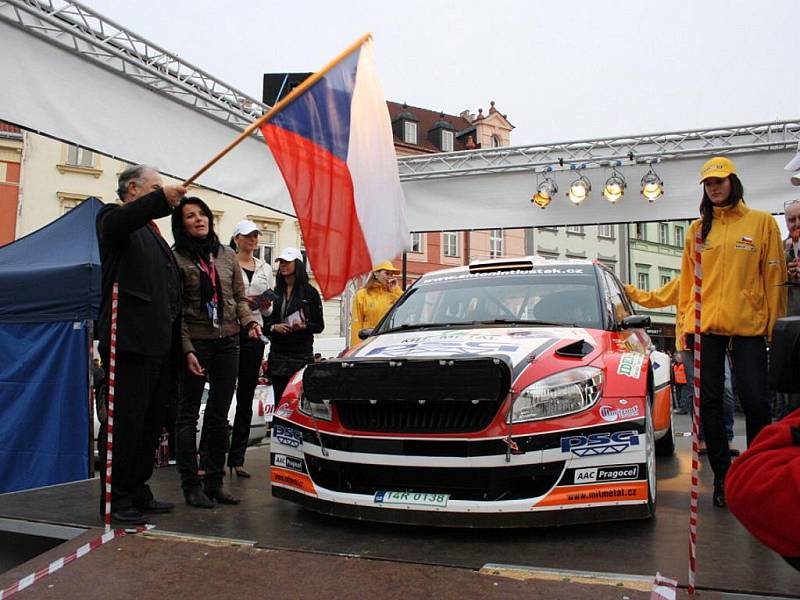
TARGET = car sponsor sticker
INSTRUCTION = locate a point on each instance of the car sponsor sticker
(284, 410)
(596, 493)
(412, 498)
(299, 481)
(289, 462)
(602, 474)
(611, 414)
(287, 436)
(630, 365)
(596, 444)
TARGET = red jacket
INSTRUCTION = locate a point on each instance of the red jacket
(763, 487)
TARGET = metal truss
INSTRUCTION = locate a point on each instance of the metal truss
(78, 29)
(774, 136)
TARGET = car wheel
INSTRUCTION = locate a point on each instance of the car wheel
(650, 458)
(665, 446)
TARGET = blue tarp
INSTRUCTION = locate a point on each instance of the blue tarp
(44, 422)
(53, 274)
(49, 291)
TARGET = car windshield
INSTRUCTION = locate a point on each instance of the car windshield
(557, 295)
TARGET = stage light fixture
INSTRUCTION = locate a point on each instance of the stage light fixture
(579, 190)
(615, 187)
(652, 186)
(545, 192)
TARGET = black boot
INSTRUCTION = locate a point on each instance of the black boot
(220, 495)
(195, 496)
(719, 496)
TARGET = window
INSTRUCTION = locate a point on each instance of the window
(416, 243)
(576, 229)
(409, 132)
(79, 157)
(266, 245)
(663, 233)
(641, 231)
(450, 243)
(605, 231)
(665, 279)
(496, 141)
(496, 243)
(679, 239)
(68, 205)
(447, 141)
(620, 306)
(643, 281)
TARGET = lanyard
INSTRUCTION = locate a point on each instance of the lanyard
(211, 271)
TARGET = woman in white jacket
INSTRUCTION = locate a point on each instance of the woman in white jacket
(257, 276)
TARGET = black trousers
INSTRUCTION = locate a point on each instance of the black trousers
(251, 355)
(749, 359)
(141, 385)
(220, 358)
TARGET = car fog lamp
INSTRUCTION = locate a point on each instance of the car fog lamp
(561, 394)
(316, 410)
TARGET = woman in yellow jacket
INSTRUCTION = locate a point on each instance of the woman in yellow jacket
(741, 298)
(374, 300)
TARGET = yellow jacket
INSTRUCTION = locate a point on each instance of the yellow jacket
(666, 295)
(743, 266)
(369, 306)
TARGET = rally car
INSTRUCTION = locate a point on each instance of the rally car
(505, 393)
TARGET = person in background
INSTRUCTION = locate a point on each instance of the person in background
(296, 317)
(681, 384)
(741, 297)
(763, 488)
(785, 402)
(257, 277)
(374, 300)
(214, 310)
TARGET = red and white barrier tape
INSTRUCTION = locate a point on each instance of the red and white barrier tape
(56, 565)
(698, 279)
(664, 588)
(112, 367)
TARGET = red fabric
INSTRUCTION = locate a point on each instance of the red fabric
(322, 194)
(763, 487)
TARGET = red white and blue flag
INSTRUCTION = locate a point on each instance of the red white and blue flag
(334, 147)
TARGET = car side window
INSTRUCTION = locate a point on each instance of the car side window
(619, 301)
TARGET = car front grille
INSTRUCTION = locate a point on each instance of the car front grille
(468, 483)
(415, 417)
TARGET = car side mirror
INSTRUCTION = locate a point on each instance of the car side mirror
(635, 322)
(365, 333)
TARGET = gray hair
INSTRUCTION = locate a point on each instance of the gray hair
(135, 174)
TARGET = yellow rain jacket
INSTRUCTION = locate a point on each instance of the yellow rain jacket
(666, 295)
(369, 306)
(743, 266)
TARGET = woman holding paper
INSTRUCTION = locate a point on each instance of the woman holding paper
(257, 277)
(214, 309)
(296, 317)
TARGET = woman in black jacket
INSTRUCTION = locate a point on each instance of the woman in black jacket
(296, 317)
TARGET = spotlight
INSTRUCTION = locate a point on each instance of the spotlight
(615, 187)
(544, 193)
(579, 190)
(652, 186)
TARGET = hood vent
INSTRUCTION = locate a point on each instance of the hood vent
(577, 349)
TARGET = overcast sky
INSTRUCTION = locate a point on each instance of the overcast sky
(561, 71)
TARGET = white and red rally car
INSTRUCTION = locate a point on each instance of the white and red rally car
(511, 392)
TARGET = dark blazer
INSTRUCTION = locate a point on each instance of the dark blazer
(133, 254)
(298, 342)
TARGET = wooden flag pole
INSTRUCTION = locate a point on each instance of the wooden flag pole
(288, 99)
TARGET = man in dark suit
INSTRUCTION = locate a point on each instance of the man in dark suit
(134, 255)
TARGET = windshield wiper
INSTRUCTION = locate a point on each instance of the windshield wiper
(519, 322)
(411, 326)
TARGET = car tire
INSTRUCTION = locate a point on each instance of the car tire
(665, 446)
(650, 459)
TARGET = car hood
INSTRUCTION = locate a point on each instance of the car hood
(517, 344)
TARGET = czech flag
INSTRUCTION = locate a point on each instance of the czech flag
(333, 144)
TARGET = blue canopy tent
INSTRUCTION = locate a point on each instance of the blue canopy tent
(49, 296)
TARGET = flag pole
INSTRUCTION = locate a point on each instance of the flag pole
(288, 99)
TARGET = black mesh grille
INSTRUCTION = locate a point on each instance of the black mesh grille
(481, 484)
(411, 416)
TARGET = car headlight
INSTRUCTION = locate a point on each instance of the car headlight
(564, 393)
(315, 410)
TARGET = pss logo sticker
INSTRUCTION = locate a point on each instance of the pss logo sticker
(598, 444)
(287, 436)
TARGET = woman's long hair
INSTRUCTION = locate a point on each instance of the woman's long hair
(187, 245)
(300, 279)
(707, 207)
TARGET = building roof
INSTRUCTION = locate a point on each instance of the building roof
(9, 128)
(427, 121)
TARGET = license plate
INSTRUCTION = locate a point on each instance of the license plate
(413, 498)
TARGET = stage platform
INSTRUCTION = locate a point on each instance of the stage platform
(729, 559)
